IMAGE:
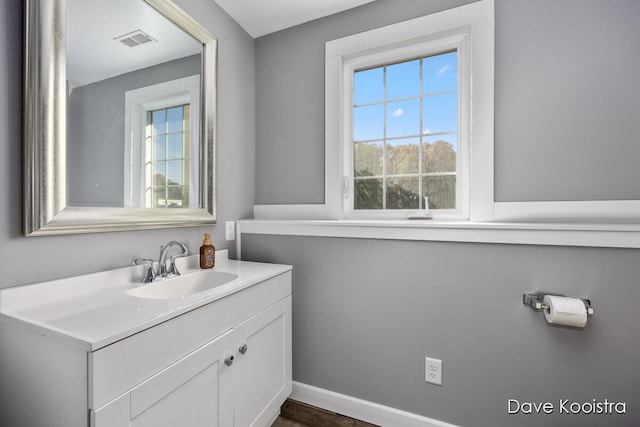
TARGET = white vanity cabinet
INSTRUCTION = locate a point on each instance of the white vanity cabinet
(237, 379)
(261, 371)
(222, 361)
(190, 392)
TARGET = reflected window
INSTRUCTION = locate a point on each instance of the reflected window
(163, 150)
(167, 157)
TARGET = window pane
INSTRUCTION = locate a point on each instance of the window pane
(166, 154)
(175, 146)
(159, 197)
(403, 79)
(368, 86)
(368, 158)
(440, 73)
(175, 197)
(440, 113)
(368, 122)
(174, 172)
(174, 119)
(159, 173)
(159, 147)
(403, 118)
(449, 138)
(368, 194)
(402, 193)
(159, 119)
(438, 154)
(441, 191)
(185, 196)
(402, 156)
(405, 145)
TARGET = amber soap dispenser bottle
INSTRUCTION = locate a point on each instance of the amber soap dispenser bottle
(207, 252)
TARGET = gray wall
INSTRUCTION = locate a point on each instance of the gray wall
(566, 99)
(95, 131)
(27, 260)
(367, 312)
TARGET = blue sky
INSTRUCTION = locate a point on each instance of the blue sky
(439, 74)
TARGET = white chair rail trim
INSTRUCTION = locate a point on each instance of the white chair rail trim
(555, 234)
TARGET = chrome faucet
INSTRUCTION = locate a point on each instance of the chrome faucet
(150, 274)
(162, 261)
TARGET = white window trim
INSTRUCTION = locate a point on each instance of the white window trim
(185, 90)
(478, 17)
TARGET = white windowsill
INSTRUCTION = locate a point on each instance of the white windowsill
(555, 234)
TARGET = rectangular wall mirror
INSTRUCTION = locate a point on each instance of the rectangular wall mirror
(119, 117)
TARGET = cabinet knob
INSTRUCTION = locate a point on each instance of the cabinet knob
(228, 361)
(243, 349)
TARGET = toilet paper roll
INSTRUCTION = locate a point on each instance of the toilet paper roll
(565, 311)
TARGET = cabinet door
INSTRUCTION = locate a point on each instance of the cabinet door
(192, 392)
(262, 372)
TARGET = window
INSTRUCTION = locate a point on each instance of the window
(405, 134)
(408, 124)
(371, 169)
(167, 157)
(162, 129)
(409, 128)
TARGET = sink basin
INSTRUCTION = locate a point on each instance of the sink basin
(182, 286)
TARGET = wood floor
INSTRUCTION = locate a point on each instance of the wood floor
(298, 414)
(283, 422)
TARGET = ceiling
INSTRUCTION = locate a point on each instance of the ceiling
(261, 17)
(94, 54)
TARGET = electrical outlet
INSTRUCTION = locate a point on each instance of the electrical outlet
(433, 370)
(230, 228)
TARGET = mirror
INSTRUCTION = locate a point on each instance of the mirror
(119, 117)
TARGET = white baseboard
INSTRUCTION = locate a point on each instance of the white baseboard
(361, 409)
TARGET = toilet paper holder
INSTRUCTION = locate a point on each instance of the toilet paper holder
(535, 302)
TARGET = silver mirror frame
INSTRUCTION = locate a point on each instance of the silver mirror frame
(44, 132)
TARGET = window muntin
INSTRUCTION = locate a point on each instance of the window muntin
(405, 133)
(167, 157)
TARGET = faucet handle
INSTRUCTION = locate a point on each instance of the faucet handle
(173, 269)
(150, 275)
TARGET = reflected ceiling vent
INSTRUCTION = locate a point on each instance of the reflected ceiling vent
(135, 39)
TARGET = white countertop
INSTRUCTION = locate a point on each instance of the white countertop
(94, 310)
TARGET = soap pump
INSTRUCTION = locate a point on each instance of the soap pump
(207, 252)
